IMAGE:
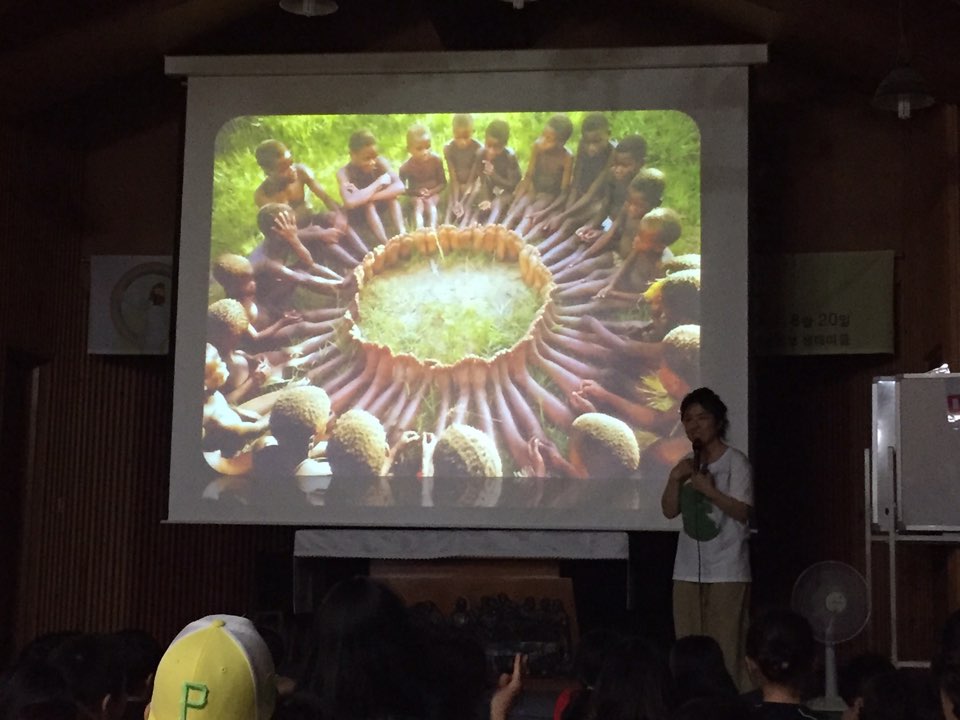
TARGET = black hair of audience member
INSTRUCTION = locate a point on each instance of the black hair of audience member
(780, 645)
(457, 667)
(634, 684)
(40, 648)
(141, 655)
(713, 708)
(36, 691)
(854, 675)
(946, 667)
(92, 668)
(696, 663)
(298, 706)
(888, 696)
(591, 652)
(360, 655)
(275, 644)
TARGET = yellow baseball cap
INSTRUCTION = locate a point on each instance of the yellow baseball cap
(217, 668)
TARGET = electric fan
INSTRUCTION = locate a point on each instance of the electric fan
(832, 596)
(309, 8)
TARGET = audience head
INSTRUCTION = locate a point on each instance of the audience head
(634, 684)
(591, 652)
(360, 662)
(92, 669)
(888, 696)
(853, 676)
(780, 650)
(946, 668)
(216, 668)
(36, 691)
(587, 663)
(713, 708)
(696, 663)
(140, 654)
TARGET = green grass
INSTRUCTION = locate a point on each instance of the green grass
(320, 142)
(444, 310)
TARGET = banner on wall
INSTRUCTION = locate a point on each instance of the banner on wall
(837, 303)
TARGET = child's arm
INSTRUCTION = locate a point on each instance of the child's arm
(575, 182)
(575, 204)
(439, 181)
(317, 189)
(260, 196)
(286, 227)
(354, 197)
(472, 175)
(508, 181)
(404, 173)
(610, 289)
(390, 186)
(526, 184)
(564, 188)
(636, 414)
(606, 238)
(251, 383)
(452, 170)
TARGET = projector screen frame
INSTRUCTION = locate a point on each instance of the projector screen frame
(241, 86)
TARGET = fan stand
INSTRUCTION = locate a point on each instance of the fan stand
(830, 701)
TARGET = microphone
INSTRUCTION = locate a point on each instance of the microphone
(697, 454)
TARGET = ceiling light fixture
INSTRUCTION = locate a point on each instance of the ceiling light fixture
(309, 8)
(903, 89)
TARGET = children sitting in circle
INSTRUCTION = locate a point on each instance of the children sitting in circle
(588, 229)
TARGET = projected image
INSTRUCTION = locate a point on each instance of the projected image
(452, 310)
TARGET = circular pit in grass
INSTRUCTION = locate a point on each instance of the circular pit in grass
(441, 296)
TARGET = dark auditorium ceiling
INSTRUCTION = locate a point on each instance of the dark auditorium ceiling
(55, 52)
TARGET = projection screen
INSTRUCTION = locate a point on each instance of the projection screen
(456, 290)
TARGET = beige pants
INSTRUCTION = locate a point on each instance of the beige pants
(720, 610)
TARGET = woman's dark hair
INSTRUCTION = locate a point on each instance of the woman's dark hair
(587, 663)
(781, 643)
(888, 696)
(634, 684)
(713, 708)
(853, 676)
(36, 691)
(711, 402)
(360, 661)
(696, 662)
(946, 665)
(141, 655)
(92, 668)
